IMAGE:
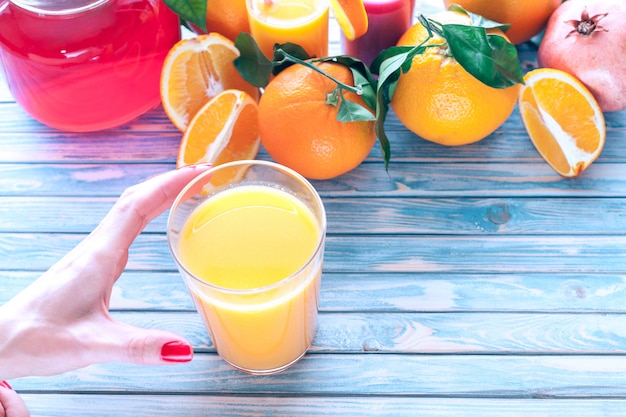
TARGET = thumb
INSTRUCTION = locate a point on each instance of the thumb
(148, 346)
(11, 404)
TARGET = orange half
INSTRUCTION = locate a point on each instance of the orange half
(196, 70)
(225, 129)
(351, 17)
(563, 120)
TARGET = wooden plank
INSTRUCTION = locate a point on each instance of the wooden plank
(368, 180)
(390, 292)
(376, 254)
(13, 119)
(131, 146)
(228, 406)
(397, 216)
(432, 333)
(476, 376)
(152, 138)
(474, 180)
(73, 180)
(560, 292)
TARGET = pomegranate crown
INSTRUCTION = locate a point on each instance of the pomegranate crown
(586, 25)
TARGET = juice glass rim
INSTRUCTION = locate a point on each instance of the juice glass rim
(320, 243)
(322, 6)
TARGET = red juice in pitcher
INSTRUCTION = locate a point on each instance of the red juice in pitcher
(85, 65)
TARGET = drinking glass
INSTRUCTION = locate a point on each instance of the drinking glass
(388, 20)
(303, 22)
(248, 238)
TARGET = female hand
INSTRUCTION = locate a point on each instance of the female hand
(11, 405)
(61, 321)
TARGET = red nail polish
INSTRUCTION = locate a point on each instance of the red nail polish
(5, 384)
(176, 352)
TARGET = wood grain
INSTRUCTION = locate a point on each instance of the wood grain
(376, 254)
(467, 281)
(390, 216)
(547, 293)
(372, 374)
(365, 406)
(442, 180)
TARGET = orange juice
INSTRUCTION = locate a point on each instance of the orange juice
(251, 246)
(303, 22)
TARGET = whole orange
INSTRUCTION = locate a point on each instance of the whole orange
(526, 17)
(300, 129)
(226, 17)
(440, 101)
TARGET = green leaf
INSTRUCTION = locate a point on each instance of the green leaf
(332, 98)
(193, 11)
(389, 65)
(504, 54)
(253, 66)
(390, 71)
(287, 54)
(390, 68)
(363, 78)
(385, 56)
(379, 127)
(349, 111)
(489, 58)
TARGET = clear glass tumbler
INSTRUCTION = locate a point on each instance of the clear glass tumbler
(248, 238)
(303, 22)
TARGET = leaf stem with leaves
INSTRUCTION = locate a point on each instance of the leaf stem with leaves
(257, 69)
(490, 58)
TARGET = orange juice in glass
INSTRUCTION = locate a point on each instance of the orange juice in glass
(303, 22)
(250, 250)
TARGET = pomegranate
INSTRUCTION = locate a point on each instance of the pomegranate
(587, 38)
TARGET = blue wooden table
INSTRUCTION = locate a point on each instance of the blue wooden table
(469, 281)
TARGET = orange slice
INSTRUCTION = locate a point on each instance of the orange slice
(225, 129)
(196, 70)
(563, 120)
(351, 17)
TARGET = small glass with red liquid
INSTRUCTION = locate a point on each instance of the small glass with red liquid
(388, 20)
(85, 65)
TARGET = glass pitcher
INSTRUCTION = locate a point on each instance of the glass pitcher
(85, 65)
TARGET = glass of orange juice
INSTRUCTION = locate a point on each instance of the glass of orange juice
(303, 22)
(248, 238)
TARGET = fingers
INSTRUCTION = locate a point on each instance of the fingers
(141, 203)
(158, 348)
(125, 343)
(11, 404)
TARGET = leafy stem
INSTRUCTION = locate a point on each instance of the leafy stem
(309, 64)
(255, 68)
(490, 58)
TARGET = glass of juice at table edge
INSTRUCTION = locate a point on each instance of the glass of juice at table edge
(248, 238)
(303, 22)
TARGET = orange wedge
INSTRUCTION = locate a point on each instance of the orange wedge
(196, 70)
(563, 120)
(225, 129)
(351, 17)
